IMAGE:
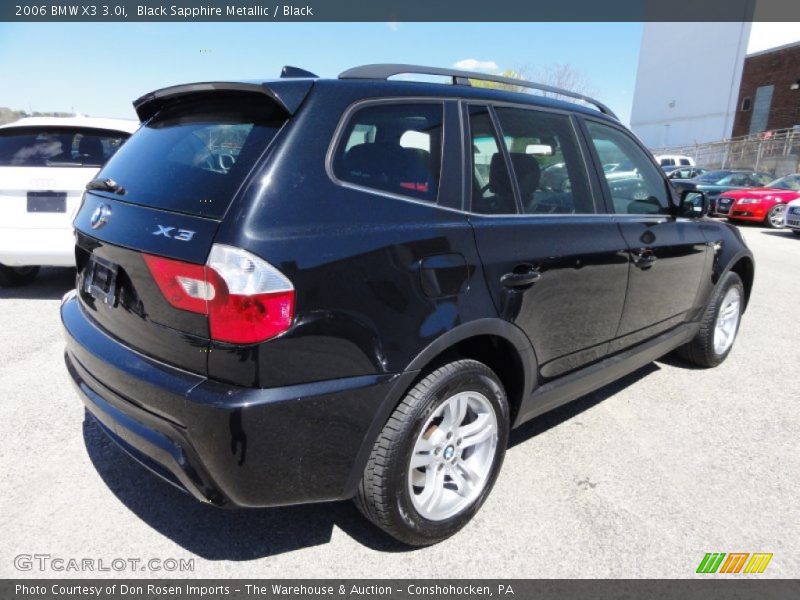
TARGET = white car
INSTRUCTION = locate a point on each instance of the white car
(791, 218)
(674, 160)
(45, 164)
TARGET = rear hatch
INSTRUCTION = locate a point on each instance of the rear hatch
(44, 169)
(167, 190)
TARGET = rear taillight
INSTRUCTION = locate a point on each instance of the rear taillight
(247, 300)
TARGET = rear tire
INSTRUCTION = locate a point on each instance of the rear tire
(775, 216)
(17, 276)
(796, 231)
(438, 455)
(719, 325)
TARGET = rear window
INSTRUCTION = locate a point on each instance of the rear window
(193, 156)
(393, 147)
(58, 146)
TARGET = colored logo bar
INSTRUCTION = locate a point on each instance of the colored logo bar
(734, 562)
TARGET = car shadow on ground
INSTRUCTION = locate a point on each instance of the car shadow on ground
(564, 413)
(51, 284)
(220, 534)
(784, 233)
(223, 534)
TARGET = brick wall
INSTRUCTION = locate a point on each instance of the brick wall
(781, 68)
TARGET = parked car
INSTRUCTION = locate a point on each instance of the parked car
(309, 292)
(45, 163)
(765, 205)
(673, 160)
(713, 183)
(684, 172)
(792, 216)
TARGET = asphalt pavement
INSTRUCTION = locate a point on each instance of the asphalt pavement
(639, 479)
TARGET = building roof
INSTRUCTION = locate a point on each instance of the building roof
(775, 49)
(126, 125)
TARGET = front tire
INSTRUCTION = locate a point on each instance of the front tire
(17, 276)
(438, 456)
(775, 216)
(719, 326)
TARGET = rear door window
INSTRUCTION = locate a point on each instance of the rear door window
(193, 156)
(393, 147)
(547, 162)
(58, 146)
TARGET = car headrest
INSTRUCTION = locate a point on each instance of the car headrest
(385, 165)
(499, 181)
(91, 147)
(526, 168)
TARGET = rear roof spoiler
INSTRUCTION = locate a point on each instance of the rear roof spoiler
(287, 93)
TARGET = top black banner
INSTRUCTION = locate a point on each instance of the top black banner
(399, 11)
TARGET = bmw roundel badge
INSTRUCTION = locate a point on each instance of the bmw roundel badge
(100, 215)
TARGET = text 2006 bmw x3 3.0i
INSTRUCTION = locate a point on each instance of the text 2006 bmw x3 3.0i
(305, 290)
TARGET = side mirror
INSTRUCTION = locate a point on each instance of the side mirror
(693, 204)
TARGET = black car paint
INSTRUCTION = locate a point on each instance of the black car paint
(386, 287)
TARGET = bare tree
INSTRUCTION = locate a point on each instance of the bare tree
(520, 73)
(566, 77)
(560, 75)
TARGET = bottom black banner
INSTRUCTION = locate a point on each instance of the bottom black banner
(456, 589)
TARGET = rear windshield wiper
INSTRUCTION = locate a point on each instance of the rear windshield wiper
(106, 185)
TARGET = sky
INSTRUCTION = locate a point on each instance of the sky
(770, 35)
(98, 69)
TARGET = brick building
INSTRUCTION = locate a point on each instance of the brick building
(769, 94)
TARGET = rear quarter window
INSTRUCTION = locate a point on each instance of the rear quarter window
(392, 147)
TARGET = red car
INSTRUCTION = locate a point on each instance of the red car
(765, 205)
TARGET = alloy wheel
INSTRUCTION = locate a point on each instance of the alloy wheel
(727, 320)
(452, 459)
(776, 215)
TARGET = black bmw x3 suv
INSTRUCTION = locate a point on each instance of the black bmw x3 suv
(305, 290)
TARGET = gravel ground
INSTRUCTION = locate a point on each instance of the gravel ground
(640, 479)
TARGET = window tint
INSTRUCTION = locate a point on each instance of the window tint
(667, 162)
(685, 161)
(492, 192)
(640, 188)
(546, 160)
(192, 157)
(58, 146)
(393, 148)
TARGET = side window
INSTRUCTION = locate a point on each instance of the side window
(685, 161)
(637, 186)
(393, 147)
(492, 192)
(546, 160)
(667, 162)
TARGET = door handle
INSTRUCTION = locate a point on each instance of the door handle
(644, 259)
(520, 280)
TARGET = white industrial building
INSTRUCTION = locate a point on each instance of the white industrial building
(687, 82)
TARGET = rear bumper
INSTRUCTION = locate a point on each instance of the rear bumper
(21, 247)
(226, 445)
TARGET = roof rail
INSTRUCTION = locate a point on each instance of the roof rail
(384, 71)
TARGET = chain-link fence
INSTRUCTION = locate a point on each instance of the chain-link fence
(776, 152)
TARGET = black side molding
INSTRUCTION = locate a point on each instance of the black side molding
(570, 387)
